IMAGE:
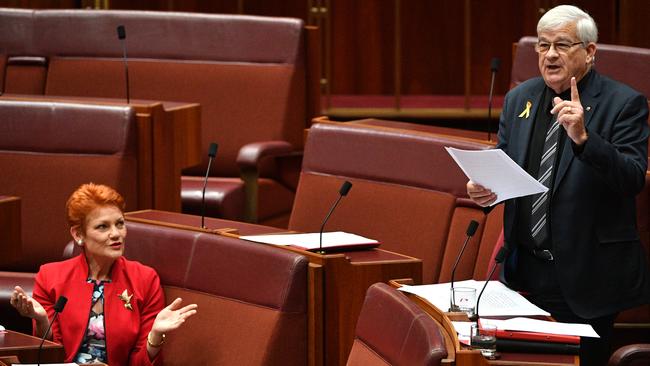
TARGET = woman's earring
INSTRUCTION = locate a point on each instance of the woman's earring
(80, 242)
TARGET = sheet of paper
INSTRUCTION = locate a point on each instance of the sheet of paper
(497, 300)
(543, 326)
(311, 240)
(463, 330)
(495, 170)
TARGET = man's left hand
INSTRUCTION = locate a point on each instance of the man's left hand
(571, 115)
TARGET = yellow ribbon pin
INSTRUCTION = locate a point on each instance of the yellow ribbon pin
(526, 112)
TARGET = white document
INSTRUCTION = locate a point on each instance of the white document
(311, 240)
(543, 326)
(493, 169)
(497, 299)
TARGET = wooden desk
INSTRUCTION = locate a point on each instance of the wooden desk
(10, 237)
(25, 347)
(337, 282)
(169, 139)
(462, 355)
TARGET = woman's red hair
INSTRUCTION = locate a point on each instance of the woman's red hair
(87, 198)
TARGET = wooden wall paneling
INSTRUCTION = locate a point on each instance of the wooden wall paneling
(495, 26)
(432, 53)
(362, 53)
(632, 23)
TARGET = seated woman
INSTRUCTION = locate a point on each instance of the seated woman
(115, 311)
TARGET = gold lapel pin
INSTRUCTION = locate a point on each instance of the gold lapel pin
(526, 112)
(124, 296)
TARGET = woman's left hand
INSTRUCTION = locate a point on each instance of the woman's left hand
(172, 317)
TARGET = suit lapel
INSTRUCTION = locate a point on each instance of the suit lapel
(589, 102)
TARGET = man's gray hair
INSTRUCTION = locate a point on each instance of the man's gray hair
(562, 15)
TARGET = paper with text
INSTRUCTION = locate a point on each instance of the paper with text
(311, 240)
(493, 169)
(497, 300)
(543, 326)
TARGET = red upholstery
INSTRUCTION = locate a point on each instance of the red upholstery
(252, 298)
(248, 73)
(392, 330)
(46, 151)
(631, 355)
(408, 193)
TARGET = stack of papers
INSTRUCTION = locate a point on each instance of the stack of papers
(497, 300)
(310, 241)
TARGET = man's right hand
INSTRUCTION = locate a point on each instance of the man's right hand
(479, 194)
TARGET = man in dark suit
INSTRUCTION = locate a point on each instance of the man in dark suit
(575, 250)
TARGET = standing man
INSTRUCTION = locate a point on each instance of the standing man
(575, 250)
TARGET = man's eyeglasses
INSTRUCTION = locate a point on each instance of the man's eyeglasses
(561, 47)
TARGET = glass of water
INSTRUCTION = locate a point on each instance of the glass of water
(484, 338)
(463, 299)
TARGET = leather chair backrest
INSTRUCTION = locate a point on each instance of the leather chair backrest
(406, 188)
(247, 72)
(47, 150)
(252, 298)
(392, 330)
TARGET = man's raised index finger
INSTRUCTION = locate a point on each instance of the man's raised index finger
(575, 96)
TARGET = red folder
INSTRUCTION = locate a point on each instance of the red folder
(536, 336)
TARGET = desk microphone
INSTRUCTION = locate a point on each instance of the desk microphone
(471, 230)
(58, 307)
(494, 67)
(343, 191)
(121, 35)
(212, 152)
(499, 258)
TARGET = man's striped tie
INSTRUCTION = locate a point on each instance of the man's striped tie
(539, 209)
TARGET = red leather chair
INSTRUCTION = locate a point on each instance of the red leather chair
(392, 330)
(631, 355)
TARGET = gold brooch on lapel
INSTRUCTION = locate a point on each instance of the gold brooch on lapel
(124, 296)
(526, 112)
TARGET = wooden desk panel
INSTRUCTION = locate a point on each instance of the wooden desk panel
(25, 347)
(337, 282)
(10, 229)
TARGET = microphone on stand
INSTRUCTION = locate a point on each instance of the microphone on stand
(58, 307)
(499, 258)
(343, 191)
(212, 152)
(471, 230)
(494, 67)
(121, 35)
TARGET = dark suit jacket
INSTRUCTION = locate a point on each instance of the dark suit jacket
(599, 259)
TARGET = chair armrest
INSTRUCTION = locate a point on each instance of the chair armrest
(631, 354)
(249, 160)
(250, 155)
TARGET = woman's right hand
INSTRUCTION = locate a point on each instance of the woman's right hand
(26, 305)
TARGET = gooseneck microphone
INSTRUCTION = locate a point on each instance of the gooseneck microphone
(121, 35)
(499, 258)
(471, 230)
(343, 191)
(58, 307)
(212, 152)
(494, 67)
